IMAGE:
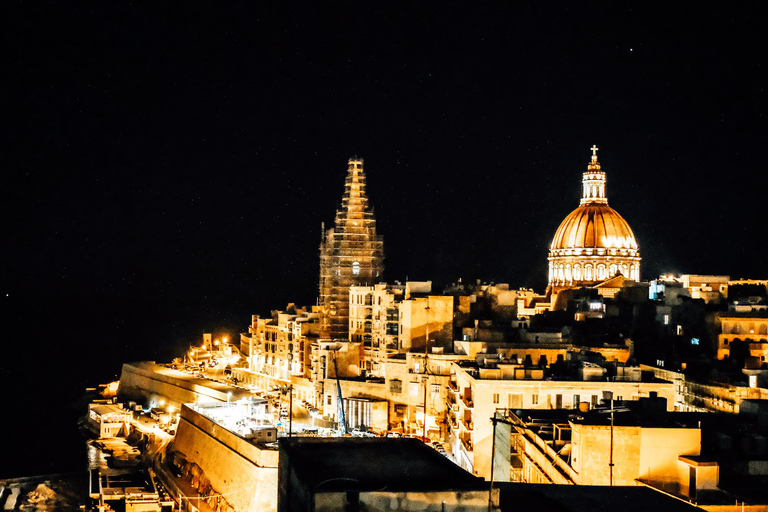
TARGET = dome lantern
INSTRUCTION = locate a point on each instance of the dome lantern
(593, 182)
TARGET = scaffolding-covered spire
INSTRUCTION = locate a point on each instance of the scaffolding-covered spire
(351, 253)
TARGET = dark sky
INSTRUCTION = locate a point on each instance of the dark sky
(165, 168)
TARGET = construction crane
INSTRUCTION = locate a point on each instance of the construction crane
(342, 418)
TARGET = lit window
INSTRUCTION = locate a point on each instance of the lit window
(356, 268)
(495, 398)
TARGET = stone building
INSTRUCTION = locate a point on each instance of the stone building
(389, 319)
(279, 350)
(594, 242)
(750, 330)
(476, 392)
(351, 254)
(591, 449)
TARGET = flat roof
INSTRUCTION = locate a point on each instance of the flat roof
(103, 409)
(586, 498)
(385, 464)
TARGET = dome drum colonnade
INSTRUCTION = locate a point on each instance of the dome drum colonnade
(594, 243)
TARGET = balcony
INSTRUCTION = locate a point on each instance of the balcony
(453, 386)
(467, 401)
(452, 421)
(466, 441)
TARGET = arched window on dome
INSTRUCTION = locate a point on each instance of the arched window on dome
(551, 272)
(568, 272)
(560, 274)
(576, 272)
(587, 272)
(612, 270)
(633, 272)
(601, 272)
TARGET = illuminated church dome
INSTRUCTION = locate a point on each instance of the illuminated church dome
(594, 242)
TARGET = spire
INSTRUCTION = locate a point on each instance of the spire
(593, 182)
(351, 253)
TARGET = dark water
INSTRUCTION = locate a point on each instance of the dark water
(53, 349)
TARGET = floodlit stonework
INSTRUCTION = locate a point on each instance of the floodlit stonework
(594, 243)
(351, 254)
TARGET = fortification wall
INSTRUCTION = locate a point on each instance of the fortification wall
(244, 474)
(148, 382)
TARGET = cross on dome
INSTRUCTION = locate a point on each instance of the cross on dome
(594, 149)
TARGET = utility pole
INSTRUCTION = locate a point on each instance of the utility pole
(610, 463)
(290, 410)
(426, 376)
(426, 384)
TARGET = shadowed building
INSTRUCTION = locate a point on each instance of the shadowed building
(594, 243)
(351, 254)
(317, 474)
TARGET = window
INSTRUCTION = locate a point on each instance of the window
(328, 399)
(576, 400)
(495, 398)
(535, 399)
(356, 268)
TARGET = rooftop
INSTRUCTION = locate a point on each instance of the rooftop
(586, 498)
(373, 464)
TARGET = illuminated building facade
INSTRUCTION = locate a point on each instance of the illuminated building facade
(396, 318)
(351, 254)
(594, 242)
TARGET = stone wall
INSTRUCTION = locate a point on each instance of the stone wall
(147, 383)
(243, 473)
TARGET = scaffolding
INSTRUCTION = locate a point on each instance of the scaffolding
(351, 254)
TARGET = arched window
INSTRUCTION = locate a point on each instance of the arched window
(356, 268)
(568, 272)
(612, 270)
(577, 272)
(588, 272)
(601, 271)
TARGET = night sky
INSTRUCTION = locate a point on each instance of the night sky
(166, 168)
